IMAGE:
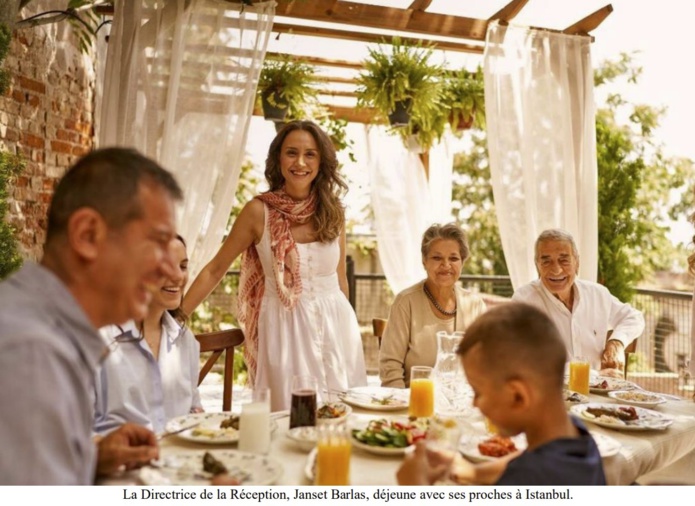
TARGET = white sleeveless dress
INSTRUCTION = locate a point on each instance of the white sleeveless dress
(319, 337)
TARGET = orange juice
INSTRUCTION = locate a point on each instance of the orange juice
(333, 461)
(579, 377)
(421, 397)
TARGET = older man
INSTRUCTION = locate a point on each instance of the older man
(107, 247)
(585, 312)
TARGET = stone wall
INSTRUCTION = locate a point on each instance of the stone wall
(46, 116)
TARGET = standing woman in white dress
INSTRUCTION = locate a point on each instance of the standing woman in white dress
(293, 295)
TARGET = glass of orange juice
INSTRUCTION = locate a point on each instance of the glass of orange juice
(579, 375)
(421, 392)
(333, 455)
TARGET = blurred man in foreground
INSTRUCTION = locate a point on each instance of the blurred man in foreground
(110, 223)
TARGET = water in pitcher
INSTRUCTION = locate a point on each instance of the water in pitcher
(454, 393)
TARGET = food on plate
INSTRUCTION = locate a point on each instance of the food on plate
(623, 413)
(331, 410)
(497, 446)
(231, 422)
(212, 465)
(385, 401)
(603, 385)
(391, 434)
(573, 396)
(638, 396)
(213, 433)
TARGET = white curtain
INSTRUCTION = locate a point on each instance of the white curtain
(539, 104)
(180, 84)
(405, 203)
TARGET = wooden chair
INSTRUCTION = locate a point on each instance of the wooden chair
(378, 327)
(221, 341)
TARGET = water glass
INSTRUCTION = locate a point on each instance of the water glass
(254, 423)
(333, 455)
(303, 406)
(421, 392)
(443, 435)
(579, 375)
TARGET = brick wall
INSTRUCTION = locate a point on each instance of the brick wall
(46, 116)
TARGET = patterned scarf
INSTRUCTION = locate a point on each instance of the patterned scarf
(282, 213)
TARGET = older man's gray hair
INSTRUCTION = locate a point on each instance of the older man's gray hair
(556, 234)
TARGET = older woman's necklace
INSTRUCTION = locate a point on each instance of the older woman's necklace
(436, 304)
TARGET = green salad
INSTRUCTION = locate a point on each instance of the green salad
(391, 434)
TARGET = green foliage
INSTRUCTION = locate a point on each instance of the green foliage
(287, 84)
(474, 209)
(464, 94)
(401, 74)
(337, 131)
(5, 38)
(10, 259)
(84, 25)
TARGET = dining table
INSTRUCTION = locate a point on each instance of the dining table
(639, 454)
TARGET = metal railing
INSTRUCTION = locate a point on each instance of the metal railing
(660, 362)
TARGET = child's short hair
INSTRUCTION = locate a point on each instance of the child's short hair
(515, 339)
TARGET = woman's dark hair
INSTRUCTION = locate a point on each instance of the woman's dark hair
(329, 185)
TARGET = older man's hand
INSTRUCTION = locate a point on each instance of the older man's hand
(614, 356)
(127, 447)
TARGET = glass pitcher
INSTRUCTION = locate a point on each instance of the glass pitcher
(451, 382)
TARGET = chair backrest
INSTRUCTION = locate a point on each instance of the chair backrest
(221, 341)
(378, 327)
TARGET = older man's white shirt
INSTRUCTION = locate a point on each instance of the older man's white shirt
(595, 312)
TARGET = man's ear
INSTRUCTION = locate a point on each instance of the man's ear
(86, 231)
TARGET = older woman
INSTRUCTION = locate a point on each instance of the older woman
(434, 304)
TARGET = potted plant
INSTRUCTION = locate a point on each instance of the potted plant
(464, 94)
(285, 87)
(400, 83)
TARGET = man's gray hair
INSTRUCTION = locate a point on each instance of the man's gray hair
(556, 234)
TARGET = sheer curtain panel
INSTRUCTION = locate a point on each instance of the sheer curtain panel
(539, 104)
(180, 85)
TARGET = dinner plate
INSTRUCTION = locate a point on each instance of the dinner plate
(637, 398)
(597, 387)
(468, 446)
(187, 469)
(572, 398)
(208, 429)
(377, 398)
(648, 419)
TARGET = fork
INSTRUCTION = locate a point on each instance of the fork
(166, 434)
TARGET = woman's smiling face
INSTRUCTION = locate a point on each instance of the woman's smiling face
(443, 262)
(170, 294)
(300, 160)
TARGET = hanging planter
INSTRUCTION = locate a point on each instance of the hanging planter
(274, 108)
(400, 83)
(464, 94)
(401, 114)
(285, 88)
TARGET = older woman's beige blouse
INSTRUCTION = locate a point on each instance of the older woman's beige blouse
(410, 336)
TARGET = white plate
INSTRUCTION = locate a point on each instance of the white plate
(648, 419)
(368, 397)
(304, 437)
(208, 431)
(468, 446)
(611, 384)
(637, 398)
(607, 446)
(187, 469)
(363, 422)
(341, 406)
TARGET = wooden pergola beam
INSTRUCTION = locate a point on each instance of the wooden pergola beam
(385, 18)
(313, 31)
(350, 114)
(509, 11)
(337, 93)
(319, 62)
(419, 5)
(589, 23)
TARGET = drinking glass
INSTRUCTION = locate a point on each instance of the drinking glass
(421, 392)
(303, 407)
(579, 375)
(443, 434)
(333, 455)
(254, 423)
(490, 427)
